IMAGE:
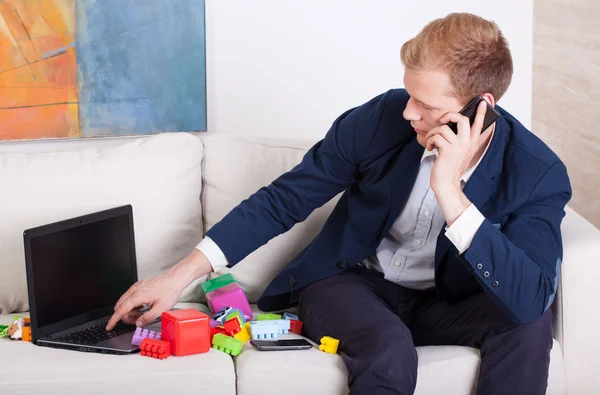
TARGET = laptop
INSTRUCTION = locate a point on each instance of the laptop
(77, 270)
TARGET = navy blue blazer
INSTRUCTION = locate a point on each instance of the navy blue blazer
(371, 153)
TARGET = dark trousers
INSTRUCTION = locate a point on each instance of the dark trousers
(379, 324)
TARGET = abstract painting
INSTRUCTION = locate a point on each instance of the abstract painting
(89, 68)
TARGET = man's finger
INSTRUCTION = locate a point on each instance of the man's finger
(438, 141)
(127, 306)
(479, 118)
(150, 315)
(126, 295)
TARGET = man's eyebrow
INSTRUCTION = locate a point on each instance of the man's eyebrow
(425, 104)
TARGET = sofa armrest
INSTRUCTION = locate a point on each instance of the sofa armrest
(580, 299)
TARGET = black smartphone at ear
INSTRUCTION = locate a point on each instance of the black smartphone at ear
(470, 111)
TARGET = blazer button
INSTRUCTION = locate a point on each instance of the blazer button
(292, 280)
(342, 264)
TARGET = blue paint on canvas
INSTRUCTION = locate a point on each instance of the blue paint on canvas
(141, 66)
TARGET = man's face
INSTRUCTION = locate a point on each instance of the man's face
(429, 101)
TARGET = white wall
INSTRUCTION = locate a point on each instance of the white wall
(289, 68)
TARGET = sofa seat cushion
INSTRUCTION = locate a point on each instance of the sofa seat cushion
(448, 370)
(29, 369)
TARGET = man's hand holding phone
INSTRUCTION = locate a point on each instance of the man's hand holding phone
(455, 152)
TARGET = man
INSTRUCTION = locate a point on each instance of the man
(439, 238)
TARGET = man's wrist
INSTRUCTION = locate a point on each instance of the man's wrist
(192, 267)
(452, 201)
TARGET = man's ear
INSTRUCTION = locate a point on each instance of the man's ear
(489, 98)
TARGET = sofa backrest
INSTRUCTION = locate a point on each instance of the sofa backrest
(235, 168)
(159, 176)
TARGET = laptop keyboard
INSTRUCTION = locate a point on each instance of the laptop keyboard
(96, 334)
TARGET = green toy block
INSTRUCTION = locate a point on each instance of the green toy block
(217, 282)
(268, 317)
(228, 345)
(3, 330)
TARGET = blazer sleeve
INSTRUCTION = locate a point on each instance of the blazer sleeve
(328, 168)
(520, 264)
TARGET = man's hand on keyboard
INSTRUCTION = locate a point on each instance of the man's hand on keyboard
(160, 293)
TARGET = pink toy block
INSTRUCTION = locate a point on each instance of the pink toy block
(231, 295)
(141, 334)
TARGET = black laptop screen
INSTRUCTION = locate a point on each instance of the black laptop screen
(81, 269)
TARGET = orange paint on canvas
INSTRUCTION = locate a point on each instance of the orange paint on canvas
(39, 122)
(38, 69)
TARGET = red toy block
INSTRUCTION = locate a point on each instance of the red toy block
(187, 330)
(232, 326)
(215, 330)
(153, 348)
(296, 326)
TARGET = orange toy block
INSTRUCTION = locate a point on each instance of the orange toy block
(26, 333)
(187, 330)
(153, 348)
(232, 326)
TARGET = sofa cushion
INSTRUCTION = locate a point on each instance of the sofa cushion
(234, 169)
(29, 370)
(448, 370)
(159, 176)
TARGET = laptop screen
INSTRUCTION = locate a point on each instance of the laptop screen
(82, 268)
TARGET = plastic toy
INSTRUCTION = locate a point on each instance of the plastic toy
(154, 348)
(296, 326)
(232, 326)
(227, 344)
(15, 331)
(289, 316)
(187, 330)
(217, 282)
(221, 315)
(244, 334)
(216, 330)
(264, 329)
(236, 313)
(26, 333)
(4, 330)
(214, 323)
(231, 295)
(284, 326)
(329, 344)
(141, 334)
(267, 317)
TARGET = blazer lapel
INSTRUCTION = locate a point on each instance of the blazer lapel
(402, 177)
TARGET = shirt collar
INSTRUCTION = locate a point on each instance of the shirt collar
(469, 172)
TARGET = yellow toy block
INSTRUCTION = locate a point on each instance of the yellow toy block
(329, 344)
(243, 335)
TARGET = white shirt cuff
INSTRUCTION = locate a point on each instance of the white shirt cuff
(214, 254)
(463, 230)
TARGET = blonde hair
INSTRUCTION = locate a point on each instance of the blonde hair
(470, 49)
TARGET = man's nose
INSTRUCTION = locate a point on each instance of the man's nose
(411, 112)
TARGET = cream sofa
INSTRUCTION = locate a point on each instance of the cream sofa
(179, 186)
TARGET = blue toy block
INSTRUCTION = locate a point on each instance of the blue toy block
(289, 316)
(264, 329)
(236, 313)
